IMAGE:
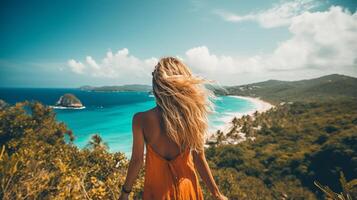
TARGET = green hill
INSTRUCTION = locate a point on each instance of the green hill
(330, 87)
(288, 148)
(292, 145)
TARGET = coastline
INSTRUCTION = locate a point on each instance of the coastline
(69, 108)
(259, 105)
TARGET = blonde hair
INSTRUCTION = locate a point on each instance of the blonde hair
(184, 101)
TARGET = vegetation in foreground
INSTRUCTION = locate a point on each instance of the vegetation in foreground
(346, 188)
(37, 163)
(288, 148)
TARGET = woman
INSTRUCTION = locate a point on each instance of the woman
(173, 133)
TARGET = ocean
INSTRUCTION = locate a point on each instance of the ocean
(109, 114)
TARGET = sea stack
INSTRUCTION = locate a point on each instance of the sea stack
(69, 101)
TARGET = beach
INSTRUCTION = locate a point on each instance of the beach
(109, 114)
(259, 105)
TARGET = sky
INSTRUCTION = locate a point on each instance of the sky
(67, 43)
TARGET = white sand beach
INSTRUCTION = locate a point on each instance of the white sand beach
(259, 105)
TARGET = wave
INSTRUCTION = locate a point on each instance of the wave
(69, 108)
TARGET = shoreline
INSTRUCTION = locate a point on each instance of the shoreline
(67, 107)
(259, 105)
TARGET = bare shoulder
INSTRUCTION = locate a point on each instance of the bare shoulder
(137, 120)
(137, 116)
(147, 115)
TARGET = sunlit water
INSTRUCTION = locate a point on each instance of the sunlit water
(109, 114)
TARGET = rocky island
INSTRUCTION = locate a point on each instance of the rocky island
(69, 101)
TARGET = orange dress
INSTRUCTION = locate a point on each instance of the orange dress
(170, 180)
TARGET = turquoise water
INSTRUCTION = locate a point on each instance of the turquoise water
(109, 114)
(113, 124)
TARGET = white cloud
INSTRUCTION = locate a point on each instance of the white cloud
(76, 67)
(201, 59)
(115, 65)
(279, 15)
(321, 43)
(222, 68)
(205, 62)
(91, 62)
(320, 40)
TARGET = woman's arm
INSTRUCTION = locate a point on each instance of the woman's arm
(203, 169)
(137, 156)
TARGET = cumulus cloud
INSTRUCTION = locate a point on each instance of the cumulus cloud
(320, 40)
(320, 43)
(92, 63)
(76, 67)
(279, 15)
(202, 60)
(205, 62)
(115, 65)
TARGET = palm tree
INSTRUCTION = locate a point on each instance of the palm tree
(96, 142)
(220, 137)
(346, 193)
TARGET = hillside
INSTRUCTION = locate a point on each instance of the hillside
(313, 138)
(330, 87)
(119, 88)
(288, 148)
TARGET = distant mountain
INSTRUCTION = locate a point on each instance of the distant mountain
(120, 88)
(330, 87)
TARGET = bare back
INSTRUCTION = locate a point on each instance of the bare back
(155, 136)
(170, 171)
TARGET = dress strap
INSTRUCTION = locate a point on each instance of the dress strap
(150, 148)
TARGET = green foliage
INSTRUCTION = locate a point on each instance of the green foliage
(294, 145)
(283, 152)
(37, 163)
(323, 89)
(236, 185)
(348, 190)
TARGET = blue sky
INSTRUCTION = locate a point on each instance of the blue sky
(63, 43)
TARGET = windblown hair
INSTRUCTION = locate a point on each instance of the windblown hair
(184, 101)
